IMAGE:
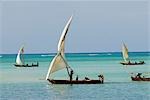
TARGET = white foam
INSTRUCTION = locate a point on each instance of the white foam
(109, 54)
(47, 55)
(93, 54)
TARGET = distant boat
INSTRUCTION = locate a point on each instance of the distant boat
(138, 77)
(126, 57)
(59, 62)
(20, 60)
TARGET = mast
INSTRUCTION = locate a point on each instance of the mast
(59, 62)
(67, 67)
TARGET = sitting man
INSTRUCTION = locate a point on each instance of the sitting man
(86, 78)
(138, 75)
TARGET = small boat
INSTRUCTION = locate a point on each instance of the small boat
(138, 77)
(75, 81)
(59, 62)
(132, 63)
(126, 57)
(20, 60)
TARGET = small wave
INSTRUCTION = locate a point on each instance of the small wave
(109, 54)
(0, 56)
(93, 54)
(47, 55)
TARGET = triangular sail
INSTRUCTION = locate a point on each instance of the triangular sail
(19, 60)
(61, 43)
(125, 53)
(59, 61)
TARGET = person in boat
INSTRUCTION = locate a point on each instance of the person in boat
(142, 62)
(101, 78)
(129, 62)
(77, 78)
(138, 75)
(71, 74)
(86, 78)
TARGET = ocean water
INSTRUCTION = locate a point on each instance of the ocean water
(30, 84)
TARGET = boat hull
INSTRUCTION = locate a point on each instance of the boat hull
(35, 65)
(75, 81)
(130, 63)
(140, 79)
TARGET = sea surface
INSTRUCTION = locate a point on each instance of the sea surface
(30, 84)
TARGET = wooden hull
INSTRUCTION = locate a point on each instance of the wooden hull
(26, 65)
(130, 63)
(140, 79)
(75, 81)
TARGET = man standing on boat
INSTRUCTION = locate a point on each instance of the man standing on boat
(71, 74)
(101, 78)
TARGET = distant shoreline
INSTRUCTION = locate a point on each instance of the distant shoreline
(76, 53)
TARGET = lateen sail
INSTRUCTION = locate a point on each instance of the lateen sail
(59, 62)
(19, 61)
(125, 52)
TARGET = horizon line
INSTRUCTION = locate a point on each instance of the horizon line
(79, 52)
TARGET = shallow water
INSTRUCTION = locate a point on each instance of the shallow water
(29, 83)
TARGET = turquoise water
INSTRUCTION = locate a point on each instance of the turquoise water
(29, 83)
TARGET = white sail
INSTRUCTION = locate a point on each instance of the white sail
(125, 52)
(61, 43)
(19, 61)
(59, 61)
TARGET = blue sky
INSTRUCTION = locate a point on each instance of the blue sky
(97, 26)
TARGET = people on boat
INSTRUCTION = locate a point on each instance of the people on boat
(142, 62)
(71, 74)
(101, 78)
(129, 62)
(35, 64)
(86, 78)
(138, 75)
(77, 78)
